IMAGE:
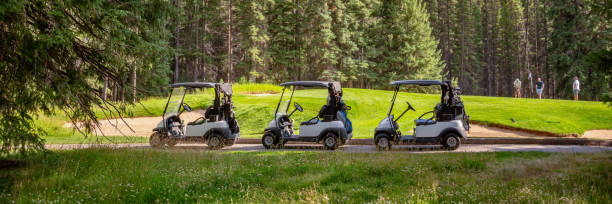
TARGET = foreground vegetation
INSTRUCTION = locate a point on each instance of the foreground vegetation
(256, 109)
(176, 176)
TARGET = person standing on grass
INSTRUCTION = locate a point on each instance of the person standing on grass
(539, 87)
(576, 87)
(517, 88)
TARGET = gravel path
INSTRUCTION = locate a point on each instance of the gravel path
(368, 148)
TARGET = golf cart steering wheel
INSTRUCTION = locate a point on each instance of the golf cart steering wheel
(409, 106)
(298, 107)
(186, 107)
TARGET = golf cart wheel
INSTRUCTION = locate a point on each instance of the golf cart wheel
(170, 142)
(341, 142)
(383, 142)
(331, 141)
(156, 140)
(229, 142)
(451, 141)
(214, 142)
(269, 141)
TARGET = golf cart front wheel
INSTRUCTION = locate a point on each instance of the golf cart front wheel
(214, 142)
(383, 142)
(156, 140)
(331, 141)
(451, 141)
(269, 141)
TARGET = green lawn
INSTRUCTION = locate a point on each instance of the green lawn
(370, 106)
(187, 176)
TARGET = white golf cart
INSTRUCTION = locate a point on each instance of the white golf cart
(447, 125)
(218, 127)
(331, 125)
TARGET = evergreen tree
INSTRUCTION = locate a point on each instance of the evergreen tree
(405, 48)
(55, 55)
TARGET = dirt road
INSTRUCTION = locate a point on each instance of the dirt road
(368, 148)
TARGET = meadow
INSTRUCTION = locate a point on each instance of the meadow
(255, 105)
(187, 176)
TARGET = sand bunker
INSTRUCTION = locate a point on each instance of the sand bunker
(142, 126)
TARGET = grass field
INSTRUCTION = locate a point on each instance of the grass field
(370, 106)
(179, 176)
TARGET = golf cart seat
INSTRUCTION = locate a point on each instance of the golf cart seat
(198, 121)
(313, 121)
(211, 114)
(424, 122)
(327, 113)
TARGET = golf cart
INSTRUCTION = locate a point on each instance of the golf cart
(331, 125)
(447, 125)
(218, 127)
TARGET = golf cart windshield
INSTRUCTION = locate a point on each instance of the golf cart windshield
(284, 103)
(289, 88)
(174, 102)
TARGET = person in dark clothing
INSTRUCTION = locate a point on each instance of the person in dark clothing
(539, 87)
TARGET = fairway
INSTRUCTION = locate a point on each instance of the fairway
(176, 176)
(254, 111)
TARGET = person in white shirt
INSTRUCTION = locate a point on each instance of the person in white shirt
(517, 88)
(576, 87)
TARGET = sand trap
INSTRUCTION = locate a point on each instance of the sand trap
(486, 131)
(142, 126)
(598, 134)
(262, 94)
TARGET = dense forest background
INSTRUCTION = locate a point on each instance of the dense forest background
(480, 45)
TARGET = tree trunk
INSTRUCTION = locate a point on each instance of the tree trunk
(104, 89)
(203, 47)
(176, 44)
(196, 68)
(526, 29)
(462, 65)
(229, 41)
(114, 91)
(134, 85)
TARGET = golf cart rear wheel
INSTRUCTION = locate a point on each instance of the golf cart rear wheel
(214, 141)
(451, 141)
(229, 142)
(331, 141)
(156, 140)
(269, 141)
(170, 142)
(383, 142)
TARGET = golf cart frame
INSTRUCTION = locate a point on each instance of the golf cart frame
(330, 125)
(218, 127)
(447, 126)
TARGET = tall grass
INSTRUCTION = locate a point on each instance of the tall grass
(179, 176)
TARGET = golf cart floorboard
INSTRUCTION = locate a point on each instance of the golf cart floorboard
(411, 139)
(297, 138)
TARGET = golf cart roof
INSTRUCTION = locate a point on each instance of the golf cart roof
(418, 82)
(193, 85)
(311, 83)
(226, 88)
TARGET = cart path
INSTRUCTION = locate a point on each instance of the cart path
(143, 127)
(363, 148)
